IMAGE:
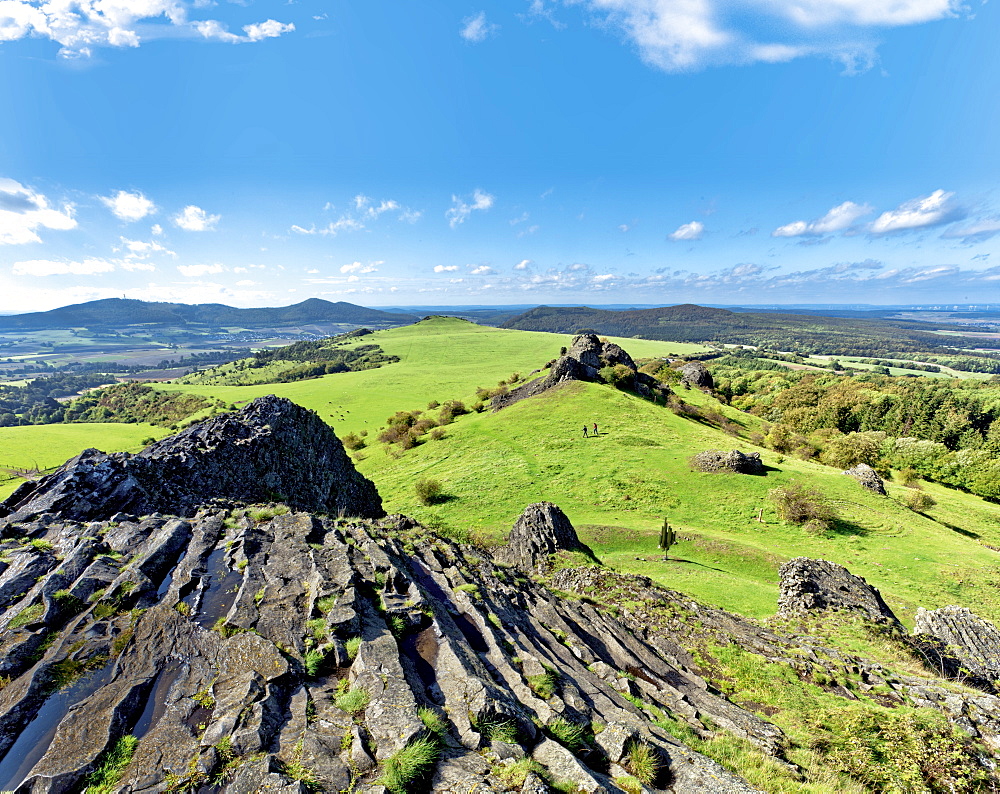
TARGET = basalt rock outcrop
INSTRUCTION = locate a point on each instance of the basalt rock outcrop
(259, 648)
(541, 531)
(868, 478)
(583, 361)
(269, 450)
(808, 585)
(695, 374)
(734, 462)
(974, 642)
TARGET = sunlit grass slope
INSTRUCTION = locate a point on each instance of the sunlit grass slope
(618, 488)
(45, 446)
(440, 358)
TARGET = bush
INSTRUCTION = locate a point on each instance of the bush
(798, 504)
(353, 441)
(919, 501)
(428, 490)
(619, 376)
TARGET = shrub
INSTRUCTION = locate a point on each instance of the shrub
(919, 501)
(437, 434)
(450, 410)
(619, 376)
(798, 504)
(428, 490)
(353, 441)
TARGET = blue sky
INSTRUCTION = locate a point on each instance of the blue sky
(525, 151)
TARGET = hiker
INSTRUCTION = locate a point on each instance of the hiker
(584, 431)
(595, 429)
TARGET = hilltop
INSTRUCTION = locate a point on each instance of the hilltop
(118, 312)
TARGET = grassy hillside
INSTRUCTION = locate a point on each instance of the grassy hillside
(440, 359)
(46, 446)
(616, 488)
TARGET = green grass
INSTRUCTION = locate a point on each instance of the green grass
(112, 766)
(409, 764)
(48, 446)
(353, 701)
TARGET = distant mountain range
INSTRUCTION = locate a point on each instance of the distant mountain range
(114, 312)
(872, 336)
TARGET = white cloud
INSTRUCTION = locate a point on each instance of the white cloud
(476, 29)
(196, 271)
(839, 218)
(975, 231)
(482, 270)
(270, 29)
(247, 283)
(129, 206)
(156, 229)
(137, 249)
(445, 268)
(462, 209)
(49, 267)
(365, 211)
(689, 231)
(81, 26)
(358, 267)
(24, 211)
(522, 265)
(683, 35)
(195, 219)
(917, 213)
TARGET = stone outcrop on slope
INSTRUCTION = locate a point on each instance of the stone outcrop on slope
(541, 530)
(269, 450)
(696, 374)
(807, 585)
(868, 478)
(583, 361)
(973, 641)
(734, 462)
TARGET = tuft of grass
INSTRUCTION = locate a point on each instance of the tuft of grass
(318, 629)
(571, 735)
(325, 604)
(497, 727)
(313, 661)
(433, 720)
(514, 775)
(353, 701)
(27, 615)
(643, 762)
(262, 514)
(410, 763)
(296, 770)
(546, 684)
(352, 645)
(112, 766)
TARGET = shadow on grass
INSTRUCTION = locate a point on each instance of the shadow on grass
(967, 532)
(443, 498)
(842, 526)
(695, 562)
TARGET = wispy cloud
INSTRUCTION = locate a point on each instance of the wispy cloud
(197, 271)
(689, 231)
(364, 210)
(684, 35)
(461, 208)
(359, 267)
(918, 213)
(975, 231)
(840, 218)
(80, 27)
(476, 28)
(24, 211)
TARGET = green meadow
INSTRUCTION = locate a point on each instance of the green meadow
(616, 488)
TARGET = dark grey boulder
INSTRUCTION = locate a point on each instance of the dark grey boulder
(270, 450)
(810, 585)
(542, 530)
(694, 373)
(734, 461)
(868, 478)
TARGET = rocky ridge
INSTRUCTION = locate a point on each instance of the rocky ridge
(583, 361)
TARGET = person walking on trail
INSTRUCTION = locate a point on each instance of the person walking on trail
(584, 431)
(595, 429)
